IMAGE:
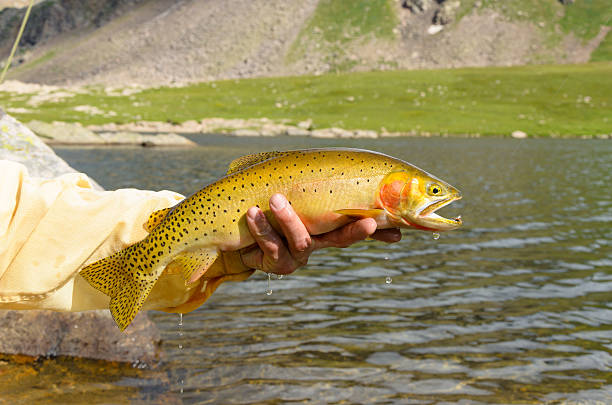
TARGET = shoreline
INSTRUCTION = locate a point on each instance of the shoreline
(164, 134)
(265, 127)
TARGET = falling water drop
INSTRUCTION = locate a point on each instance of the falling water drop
(180, 345)
(279, 276)
(388, 280)
(269, 290)
(436, 236)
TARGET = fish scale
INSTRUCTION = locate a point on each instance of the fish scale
(327, 188)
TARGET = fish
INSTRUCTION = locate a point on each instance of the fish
(328, 188)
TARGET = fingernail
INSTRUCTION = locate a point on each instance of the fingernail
(277, 202)
(256, 215)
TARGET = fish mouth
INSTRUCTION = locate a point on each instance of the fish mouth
(429, 212)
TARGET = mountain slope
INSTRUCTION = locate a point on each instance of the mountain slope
(149, 42)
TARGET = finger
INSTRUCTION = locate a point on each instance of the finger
(298, 238)
(274, 256)
(391, 235)
(252, 257)
(346, 235)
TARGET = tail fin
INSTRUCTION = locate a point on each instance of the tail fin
(112, 277)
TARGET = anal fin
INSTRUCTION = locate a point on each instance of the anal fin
(193, 264)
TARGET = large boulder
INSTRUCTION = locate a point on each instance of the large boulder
(91, 334)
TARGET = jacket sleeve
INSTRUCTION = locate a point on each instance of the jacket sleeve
(50, 229)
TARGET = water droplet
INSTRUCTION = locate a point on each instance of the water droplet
(180, 320)
(386, 257)
(269, 290)
(436, 236)
(279, 276)
(388, 280)
(180, 346)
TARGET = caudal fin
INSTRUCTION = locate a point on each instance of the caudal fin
(128, 292)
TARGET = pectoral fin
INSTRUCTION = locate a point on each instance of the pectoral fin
(193, 264)
(361, 213)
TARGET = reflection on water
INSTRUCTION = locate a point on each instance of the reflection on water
(512, 308)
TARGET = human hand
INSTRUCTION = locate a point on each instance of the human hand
(274, 256)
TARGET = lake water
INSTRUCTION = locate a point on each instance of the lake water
(515, 307)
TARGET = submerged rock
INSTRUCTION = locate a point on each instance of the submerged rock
(90, 334)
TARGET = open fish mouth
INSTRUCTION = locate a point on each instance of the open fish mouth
(429, 211)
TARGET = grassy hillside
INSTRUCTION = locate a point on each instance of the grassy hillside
(604, 51)
(336, 24)
(540, 100)
(583, 18)
(157, 42)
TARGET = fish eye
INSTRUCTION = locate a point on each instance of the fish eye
(434, 189)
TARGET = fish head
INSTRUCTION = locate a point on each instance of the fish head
(411, 199)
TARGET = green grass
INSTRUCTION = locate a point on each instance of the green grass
(540, 100)
(336, 23)
(583, 18)
(604, 51)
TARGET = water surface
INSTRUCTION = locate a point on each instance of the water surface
(515, 307)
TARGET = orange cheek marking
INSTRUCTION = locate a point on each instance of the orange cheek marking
(390, 194)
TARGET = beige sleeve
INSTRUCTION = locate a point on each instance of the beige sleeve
(50, 229)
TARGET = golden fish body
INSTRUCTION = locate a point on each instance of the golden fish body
(326, 187)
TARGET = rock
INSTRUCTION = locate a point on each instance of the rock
(298, 131)
(19, 144)
(322, 133)
(246, 132)
(446, 13)
(434, 29)
(132, 138)
(363, 133)
(341, 133)
(306, 124)
(65, 133)
(62, 133)
(91, 334)
(519, 135)
(417, 6)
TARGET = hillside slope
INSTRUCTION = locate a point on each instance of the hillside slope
(149, 42)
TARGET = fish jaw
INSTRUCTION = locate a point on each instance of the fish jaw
(418, 209)
(427, 217)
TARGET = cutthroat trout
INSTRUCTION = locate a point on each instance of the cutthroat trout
(327, 188)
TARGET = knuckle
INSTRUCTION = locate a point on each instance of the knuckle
(273, 252)
(304, 245)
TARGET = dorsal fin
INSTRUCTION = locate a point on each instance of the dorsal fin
(155, 219)
(249, 160)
